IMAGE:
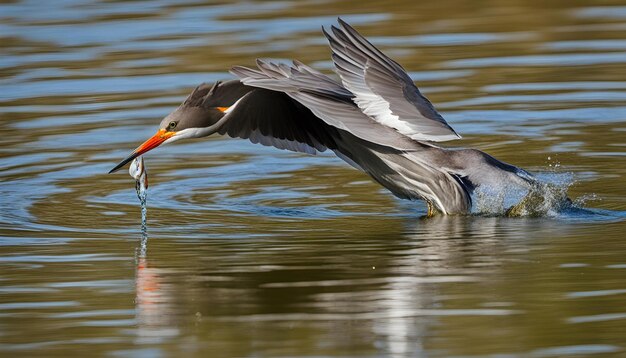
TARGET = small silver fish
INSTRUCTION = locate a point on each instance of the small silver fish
(138, 171)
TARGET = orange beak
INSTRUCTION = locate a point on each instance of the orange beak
(156, 140)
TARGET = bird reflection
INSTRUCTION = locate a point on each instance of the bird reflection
(437, 254)
(417, 282)
(450, 250)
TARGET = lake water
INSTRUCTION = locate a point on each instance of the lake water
(259, 252)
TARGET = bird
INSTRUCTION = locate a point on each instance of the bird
(373, 117)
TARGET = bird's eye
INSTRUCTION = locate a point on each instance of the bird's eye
(171, 126)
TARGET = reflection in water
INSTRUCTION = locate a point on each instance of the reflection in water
(402, 298)
(440, 246)
(154, 307)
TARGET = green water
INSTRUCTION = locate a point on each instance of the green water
(259, 252)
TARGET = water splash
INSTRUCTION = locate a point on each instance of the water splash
(545, 198)
(138, 171)
(586, 198)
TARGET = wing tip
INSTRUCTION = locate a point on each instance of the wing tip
(341, 21)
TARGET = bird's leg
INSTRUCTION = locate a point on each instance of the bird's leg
(431, 210)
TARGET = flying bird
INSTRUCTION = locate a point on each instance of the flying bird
(375, 119)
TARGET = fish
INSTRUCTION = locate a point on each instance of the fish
(138, 171)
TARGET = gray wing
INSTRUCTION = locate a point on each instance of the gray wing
(325, 98)
(273, 119)
(382, 88)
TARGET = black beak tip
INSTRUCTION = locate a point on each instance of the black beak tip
(123, 162)
(114, 169)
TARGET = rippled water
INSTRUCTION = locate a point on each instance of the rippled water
(260, 252)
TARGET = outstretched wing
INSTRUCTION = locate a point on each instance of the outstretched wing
(325, 98)
(382, 88)
(273, 119)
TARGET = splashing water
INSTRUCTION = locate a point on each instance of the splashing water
(546, 198)
(138, 171)
(543, 199)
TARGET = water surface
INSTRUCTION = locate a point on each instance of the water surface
(259, 252)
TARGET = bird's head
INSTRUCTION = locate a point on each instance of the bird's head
(198, 116)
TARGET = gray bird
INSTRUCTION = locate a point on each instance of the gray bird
(375, 119)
